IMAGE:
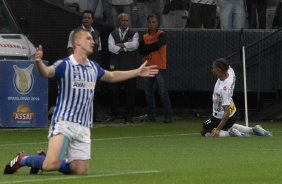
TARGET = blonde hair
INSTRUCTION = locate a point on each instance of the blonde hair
(76, 34)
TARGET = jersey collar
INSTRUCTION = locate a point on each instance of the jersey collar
(74, 62)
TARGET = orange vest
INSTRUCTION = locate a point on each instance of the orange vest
(157, 57)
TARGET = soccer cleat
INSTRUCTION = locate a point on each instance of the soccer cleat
(14, 165)
(236, 133)
(259, 131)
(35, 170)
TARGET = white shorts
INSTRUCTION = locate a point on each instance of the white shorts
(78, 136)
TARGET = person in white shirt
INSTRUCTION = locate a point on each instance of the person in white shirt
(221, 123)
(123, 44)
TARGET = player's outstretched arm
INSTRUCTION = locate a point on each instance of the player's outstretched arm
(142, 71)
(42, 69)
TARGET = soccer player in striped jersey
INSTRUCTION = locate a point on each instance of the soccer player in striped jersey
(221, 122)
(69, 131)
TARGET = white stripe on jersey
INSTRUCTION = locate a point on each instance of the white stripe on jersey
(76, 84)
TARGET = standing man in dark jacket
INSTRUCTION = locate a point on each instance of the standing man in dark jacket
(123, 44)
(87, 21)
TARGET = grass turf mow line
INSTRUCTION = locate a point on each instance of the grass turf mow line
(106, 139)
(70, 177)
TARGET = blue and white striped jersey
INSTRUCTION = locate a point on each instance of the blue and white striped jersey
(76, 86)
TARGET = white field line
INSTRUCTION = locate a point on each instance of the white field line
(107, 139)
(78, 177)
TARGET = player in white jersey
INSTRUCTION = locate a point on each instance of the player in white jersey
(221, 122)
(70, 128)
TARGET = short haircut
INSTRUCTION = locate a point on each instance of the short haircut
(121, 15)
(221, 63)
(76, 33)
(153, 16)
(88, 11)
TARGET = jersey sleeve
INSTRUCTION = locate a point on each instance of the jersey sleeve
(59, 66)
(100, 70)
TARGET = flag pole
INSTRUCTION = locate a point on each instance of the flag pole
(245, 88)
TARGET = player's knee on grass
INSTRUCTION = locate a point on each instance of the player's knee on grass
(79, 172)
(79, 168)
(203, 132)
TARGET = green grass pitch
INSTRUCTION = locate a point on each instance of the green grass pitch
(157, 153)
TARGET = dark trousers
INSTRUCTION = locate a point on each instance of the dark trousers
(202, 14)
(256, 14)
(161, 80)
(128, 88)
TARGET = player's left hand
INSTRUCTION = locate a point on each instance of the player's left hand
(215, 132)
